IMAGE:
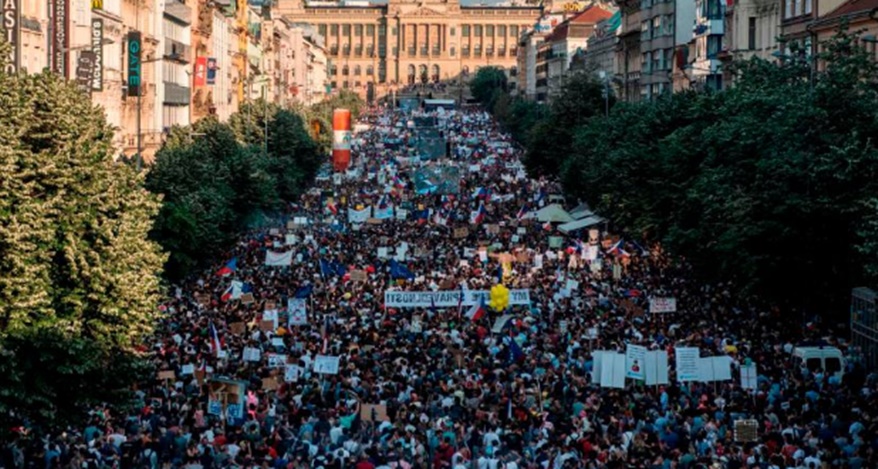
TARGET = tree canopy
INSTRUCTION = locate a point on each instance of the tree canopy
(79, 277)
(770, 183)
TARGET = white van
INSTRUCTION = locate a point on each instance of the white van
(828, 359)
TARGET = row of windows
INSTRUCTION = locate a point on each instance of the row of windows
(466, 30)
(794, 8)
(661, 25)
(476, 50)
(333, 69)
(657, 61)
(646, 4)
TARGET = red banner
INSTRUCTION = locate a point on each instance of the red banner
(200, 71)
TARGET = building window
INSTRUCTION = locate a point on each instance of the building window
(393, 31)
(464, 30)
(657, 26)
(477, 30)
(645, 62)
(370, 70)
(645, 4)
(370, 30)
(345, 71)
(333, 84)
(657, 64)
(321, 29)
(808, 7)
(513, 31)
(751, 33)
(712, 9)
(358, 29)
(501, 31)
(452, 31)
(489, 30)
(346, 84)
(644, 30)
(669, 25)
(464, 51)
(714, 44)
(669, 58)
(333, 29)
(346, 29)
(788, 9)
(356, 70)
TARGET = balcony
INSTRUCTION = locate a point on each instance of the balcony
(176, 95)
(177, 51)
(178, 11)
(708, 27)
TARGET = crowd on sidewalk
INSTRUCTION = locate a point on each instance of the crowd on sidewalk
(439, 386)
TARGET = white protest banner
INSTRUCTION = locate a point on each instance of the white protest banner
(277, 360)
(270, 315)
(613, 370)
(662, 305)
(447, 298)
(749, 376)
(715, 369)
(291, 373)
(597, 361)
(687, 363)
(290, 239)
(383, 252)
(402, 214)
(251, 354)
(384, 213)
(635, 357)
(359, 216)
(325, 364)
(656, 364)
(297, 311)
(187, 369)
(278, 259)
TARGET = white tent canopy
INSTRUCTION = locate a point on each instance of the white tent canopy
(552, 213)
(582, 223)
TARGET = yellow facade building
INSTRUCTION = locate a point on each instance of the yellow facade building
(380, 47)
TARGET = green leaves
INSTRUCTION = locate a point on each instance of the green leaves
(769, 183)
(216, 179)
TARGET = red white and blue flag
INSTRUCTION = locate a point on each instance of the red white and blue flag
(477, 311)
(216, 344)
(617, 249)
(230, 268)
(477, 217)
(521, 212)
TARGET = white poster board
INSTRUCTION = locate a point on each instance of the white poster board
(613, 370)
(662, 305)
(656, 368)
(277, 360)
(635, 362)
(270, 315)
(714, 369)
(292, 373)
(749, 376)
(687, 363)
(326, 364)
(251, 354)
(278, 259)
(297, 310)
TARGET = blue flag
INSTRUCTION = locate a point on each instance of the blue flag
(398, 271)
(305, 291)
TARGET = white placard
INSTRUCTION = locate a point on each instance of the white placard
(297, 311)
(401, 214)
(597, 362)
(251, 354)
(591, 333)
(663, 305)
(714, 369)
(656, 368)
(383, 252)
(687, 363)
(538, 261)
(187, 369)
(521, 230)
(447, 298)
(277, 360)
(613, 370)
(591, 253)
(572, 285)
(278, 259)
(270, 315)
(749, 376)
(277, 341)
(292, 373)
(359, 216)
(290, 239)
(635, 362)
(325, 364)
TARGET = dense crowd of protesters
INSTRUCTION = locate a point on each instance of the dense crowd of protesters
(447, 391)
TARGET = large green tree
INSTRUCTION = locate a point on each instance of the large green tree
(77, 270)
(770, 183)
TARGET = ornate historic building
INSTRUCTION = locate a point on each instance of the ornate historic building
(377, 47)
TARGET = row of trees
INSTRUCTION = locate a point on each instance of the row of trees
(85, 239)
(770, 183)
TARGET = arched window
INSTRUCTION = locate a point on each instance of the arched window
(356, 70)
(422, 73)
(465, 70)
(345, 70)
(411, 74)
(436, 73)
(370, 70)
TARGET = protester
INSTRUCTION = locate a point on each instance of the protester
(428, 387)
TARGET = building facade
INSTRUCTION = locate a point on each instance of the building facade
(628, 59)
(407, 42)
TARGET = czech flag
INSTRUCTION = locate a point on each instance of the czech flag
(480, 192)
(216, 345)
(477, 311)
(521, 212)
(230, 268)
(477, 217)
(617, 250)
(547, 226)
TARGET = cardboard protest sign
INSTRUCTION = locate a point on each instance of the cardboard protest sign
(266, 326)
(461, 233)
(247, 298)
(373, 413)
(493, 229)
(270, 383)
(374, 221)
(167, 375)
(746, 431)
(237, 328)
(359, 276)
